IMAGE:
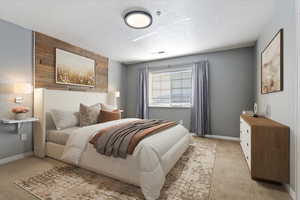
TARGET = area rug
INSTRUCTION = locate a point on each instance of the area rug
(190, 179)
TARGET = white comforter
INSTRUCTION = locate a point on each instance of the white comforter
(154, 156)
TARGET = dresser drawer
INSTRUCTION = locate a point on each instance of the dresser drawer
(245, 137)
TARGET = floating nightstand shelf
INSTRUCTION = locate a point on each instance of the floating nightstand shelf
(18, 122)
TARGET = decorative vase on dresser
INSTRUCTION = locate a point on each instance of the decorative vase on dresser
(266, 147)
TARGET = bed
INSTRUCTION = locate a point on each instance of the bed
(147, 167)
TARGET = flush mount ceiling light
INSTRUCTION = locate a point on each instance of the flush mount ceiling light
(138, 19)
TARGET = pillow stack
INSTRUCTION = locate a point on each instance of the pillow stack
(108, 113)
(87, 115)
(64, 119)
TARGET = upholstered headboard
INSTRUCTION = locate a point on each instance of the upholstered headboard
(45, 100)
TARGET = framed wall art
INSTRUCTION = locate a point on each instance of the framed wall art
(73, 69)
(272, 65)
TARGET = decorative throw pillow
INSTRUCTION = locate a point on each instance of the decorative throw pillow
(89, 114)
(107, 107)
(64, 119)
(106, 116)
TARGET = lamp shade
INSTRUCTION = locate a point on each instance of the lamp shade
(117, 94)
(23, 88)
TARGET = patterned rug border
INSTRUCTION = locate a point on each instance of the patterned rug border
(214, 165)
(213, 169)
(19, 184)
(28, 191)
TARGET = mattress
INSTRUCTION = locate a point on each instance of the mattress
(60, 136)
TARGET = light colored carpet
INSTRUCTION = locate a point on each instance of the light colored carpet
(190, 179)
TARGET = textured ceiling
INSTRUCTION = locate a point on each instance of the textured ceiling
(184, 26)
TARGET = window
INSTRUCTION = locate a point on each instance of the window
(170, 88)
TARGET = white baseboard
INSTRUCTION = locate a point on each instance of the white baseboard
(223, 137)
(15, 157)
(291, 192)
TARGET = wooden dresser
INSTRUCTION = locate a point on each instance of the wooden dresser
(266, 146)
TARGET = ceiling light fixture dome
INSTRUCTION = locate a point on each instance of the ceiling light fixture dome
(138, 19)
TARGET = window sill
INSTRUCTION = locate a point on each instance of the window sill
(171, 107)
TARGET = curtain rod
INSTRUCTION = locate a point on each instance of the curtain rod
(174, 65)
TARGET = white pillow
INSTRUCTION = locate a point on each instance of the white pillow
(64, 119)
(108, 108)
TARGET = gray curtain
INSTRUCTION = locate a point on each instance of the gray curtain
(142, 94)
(200, 116)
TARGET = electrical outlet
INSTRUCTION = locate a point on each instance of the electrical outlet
(23, 137)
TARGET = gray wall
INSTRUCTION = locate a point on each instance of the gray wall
(117, 81)
(15, 66)
(281, 105)
(231, 89)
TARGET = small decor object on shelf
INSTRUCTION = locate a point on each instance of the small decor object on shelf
(20, 112)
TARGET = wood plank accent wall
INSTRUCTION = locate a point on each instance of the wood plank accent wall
(45, 64)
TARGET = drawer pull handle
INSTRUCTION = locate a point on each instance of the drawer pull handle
(247, 131)
(247, 144)
(247, 158)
